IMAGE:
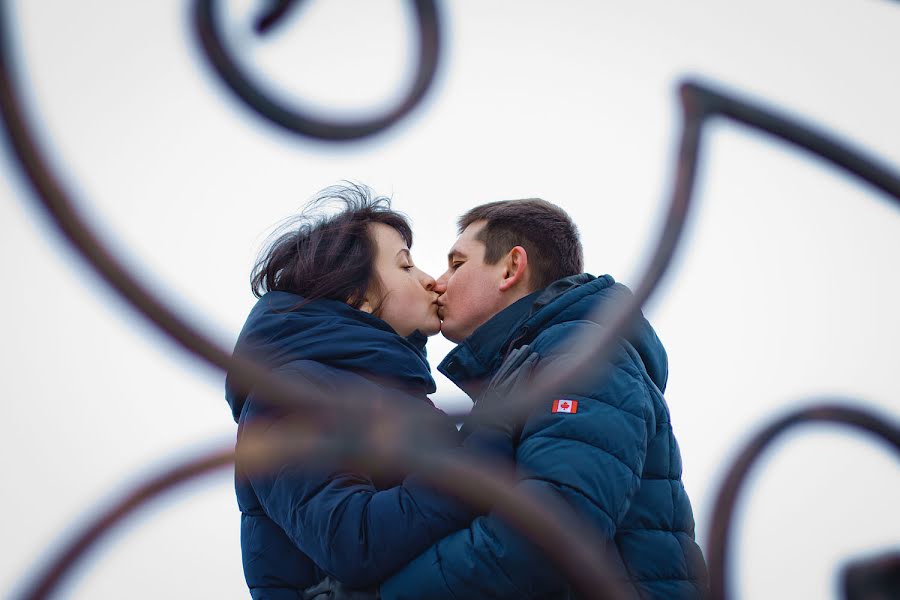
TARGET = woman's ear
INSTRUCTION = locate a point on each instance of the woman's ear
(372, 298)
(365, 305)
(516, 269)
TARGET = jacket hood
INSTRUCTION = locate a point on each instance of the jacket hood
(569, 299)
(333, 334)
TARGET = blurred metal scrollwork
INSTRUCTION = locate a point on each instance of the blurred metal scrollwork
(578, 555)
(208, 32)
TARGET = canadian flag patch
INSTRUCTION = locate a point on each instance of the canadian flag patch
(565, 406)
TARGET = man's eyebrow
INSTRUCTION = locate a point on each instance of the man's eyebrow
(454, 254)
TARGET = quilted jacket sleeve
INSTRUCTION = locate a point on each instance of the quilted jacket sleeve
(591, 458)
(352, 531)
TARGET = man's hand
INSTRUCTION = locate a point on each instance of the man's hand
(330, 589)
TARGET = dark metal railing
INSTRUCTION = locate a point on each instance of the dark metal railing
(557, 533)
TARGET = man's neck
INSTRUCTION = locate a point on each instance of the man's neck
(511, 297)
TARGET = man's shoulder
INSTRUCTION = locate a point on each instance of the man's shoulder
(569, 337)
(622, 384)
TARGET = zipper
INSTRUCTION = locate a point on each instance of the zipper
(512, 344)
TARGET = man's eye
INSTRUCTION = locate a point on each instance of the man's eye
(455, 265)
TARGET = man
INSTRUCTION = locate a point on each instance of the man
(604, 447)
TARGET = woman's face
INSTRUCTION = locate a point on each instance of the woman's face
(405, 294)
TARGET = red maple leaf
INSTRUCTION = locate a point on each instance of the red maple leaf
(564, 405)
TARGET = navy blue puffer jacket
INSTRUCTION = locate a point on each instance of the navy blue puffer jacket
(300, 523)
(613, 458)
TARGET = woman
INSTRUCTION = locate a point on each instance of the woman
(343, 307)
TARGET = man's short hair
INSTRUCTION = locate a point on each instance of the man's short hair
(548, 235)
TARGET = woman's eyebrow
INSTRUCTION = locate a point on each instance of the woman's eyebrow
(406, 252)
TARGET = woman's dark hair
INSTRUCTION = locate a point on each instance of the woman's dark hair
(319, 254)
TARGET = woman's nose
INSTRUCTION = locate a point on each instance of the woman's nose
(427, 282)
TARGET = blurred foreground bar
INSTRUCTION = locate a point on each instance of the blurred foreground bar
(873, 578)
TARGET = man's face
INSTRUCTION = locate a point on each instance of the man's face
(469, 289)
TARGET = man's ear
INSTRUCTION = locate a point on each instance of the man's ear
(516, 269)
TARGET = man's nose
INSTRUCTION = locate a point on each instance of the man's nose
(440, 286)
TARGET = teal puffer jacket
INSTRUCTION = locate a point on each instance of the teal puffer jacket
(612, 457)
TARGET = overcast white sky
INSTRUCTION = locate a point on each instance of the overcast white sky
(786, 289)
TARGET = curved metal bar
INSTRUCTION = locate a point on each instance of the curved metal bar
(723, 512)
(208, 32)
(274, 14)
(477, 485)
(703, 101)
(48, 579)
(699, 102)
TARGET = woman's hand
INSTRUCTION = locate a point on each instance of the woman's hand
(330, 589)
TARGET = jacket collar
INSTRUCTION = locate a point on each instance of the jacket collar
(481, 353)
(476, 358)
(283, 328)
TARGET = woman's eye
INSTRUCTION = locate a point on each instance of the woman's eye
(407, 267)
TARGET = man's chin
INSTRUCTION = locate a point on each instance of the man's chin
(449, 334)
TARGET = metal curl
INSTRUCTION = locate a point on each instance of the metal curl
(208, 32)
(723, 511)
(478, 485)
